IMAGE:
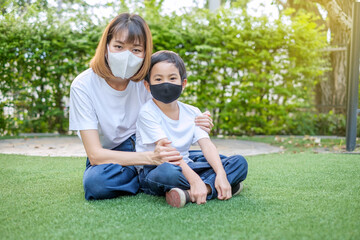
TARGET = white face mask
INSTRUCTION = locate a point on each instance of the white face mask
(124, 64)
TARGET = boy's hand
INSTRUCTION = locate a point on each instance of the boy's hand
(164, 152)
(222, 186)
(198, 192)
(204, 121)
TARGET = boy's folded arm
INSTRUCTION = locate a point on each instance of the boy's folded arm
(212, 155)
(198, 189)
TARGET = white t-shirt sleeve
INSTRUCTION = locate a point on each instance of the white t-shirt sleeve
(149, 128)
(82, 114)
(199, 133)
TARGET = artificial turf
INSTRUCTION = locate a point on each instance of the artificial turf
(286, 196)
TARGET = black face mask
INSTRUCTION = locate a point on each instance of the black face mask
(166, 92)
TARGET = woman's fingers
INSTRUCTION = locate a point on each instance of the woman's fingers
(203, 121)
(205, 125)
(206, 129)
(163, 142)
(207, 113)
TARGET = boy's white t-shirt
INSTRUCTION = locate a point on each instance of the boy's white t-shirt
(153, 125)
(96, 105)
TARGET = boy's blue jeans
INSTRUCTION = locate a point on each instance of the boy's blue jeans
(111, 180)
(157, 180)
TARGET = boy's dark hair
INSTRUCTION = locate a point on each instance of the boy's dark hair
(170, 57)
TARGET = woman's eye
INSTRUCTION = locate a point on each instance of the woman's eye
(137, 50)
(118, 46)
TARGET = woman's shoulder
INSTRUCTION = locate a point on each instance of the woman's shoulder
(150, 109)
(85, 78)
(142, 91)
(139, 85)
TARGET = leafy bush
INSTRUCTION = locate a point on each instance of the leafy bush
(39, 59)
(252, 74)
(255, 76)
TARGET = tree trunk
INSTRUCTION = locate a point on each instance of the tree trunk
(331, 90)
(340, 36)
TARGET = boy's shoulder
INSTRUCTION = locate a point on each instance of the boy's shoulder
(189, 108)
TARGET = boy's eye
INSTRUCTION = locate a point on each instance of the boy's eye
(173, 78)
(157, 79)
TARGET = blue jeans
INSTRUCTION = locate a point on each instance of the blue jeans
(111, 180)
(157, 180)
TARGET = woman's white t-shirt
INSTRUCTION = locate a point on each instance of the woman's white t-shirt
(96, 105)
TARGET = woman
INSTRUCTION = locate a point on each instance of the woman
(104, 104)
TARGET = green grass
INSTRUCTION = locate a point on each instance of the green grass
(286, 196)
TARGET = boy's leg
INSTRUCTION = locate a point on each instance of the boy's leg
(157, 180)
(111, 180)
(235, 168)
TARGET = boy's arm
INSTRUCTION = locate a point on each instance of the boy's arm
(211, 154)
(198, 190)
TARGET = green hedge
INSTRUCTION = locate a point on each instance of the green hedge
(254, 76)
(39, 58)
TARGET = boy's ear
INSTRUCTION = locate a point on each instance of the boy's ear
(184, 84)
(147, 85)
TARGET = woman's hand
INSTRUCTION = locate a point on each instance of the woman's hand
(198, 192)
(164, 152)
(223, 187)
(204, 121)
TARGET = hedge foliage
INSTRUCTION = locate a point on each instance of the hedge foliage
(255, 76)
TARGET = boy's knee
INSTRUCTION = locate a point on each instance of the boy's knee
(238, 161)
(166, 173)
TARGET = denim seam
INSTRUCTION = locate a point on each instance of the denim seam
(148, 180)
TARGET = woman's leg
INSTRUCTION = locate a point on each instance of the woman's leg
(111, 180)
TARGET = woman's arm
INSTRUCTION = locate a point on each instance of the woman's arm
(98, 155)
(211, 154)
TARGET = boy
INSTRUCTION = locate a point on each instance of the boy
(196, 177)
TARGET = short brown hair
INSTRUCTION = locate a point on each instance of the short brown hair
(137, 30)
(169, 57)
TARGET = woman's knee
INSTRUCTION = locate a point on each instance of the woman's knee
(100, 183)
(95, 184)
